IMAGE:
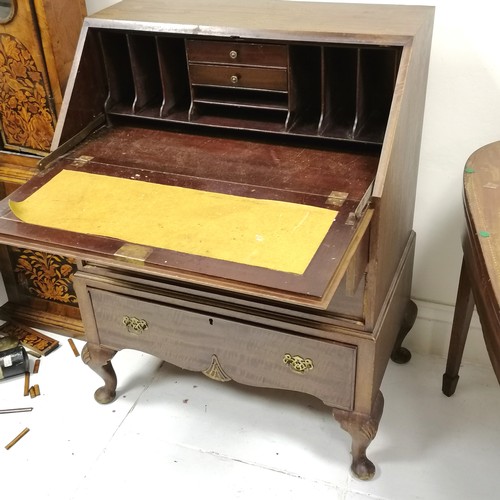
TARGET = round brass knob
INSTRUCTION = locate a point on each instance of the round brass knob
(235, 79)
(233, 54)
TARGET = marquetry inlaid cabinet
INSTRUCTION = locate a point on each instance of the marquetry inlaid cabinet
(37, 46)
(236, 183)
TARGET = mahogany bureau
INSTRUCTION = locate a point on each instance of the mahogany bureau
(236, 182)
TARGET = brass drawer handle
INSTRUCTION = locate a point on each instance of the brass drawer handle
(235, 79)
(233, 54)
(135, 325)
(298, 364)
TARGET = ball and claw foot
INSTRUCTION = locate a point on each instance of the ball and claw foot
(99, 360)
(400, 354)
(363, 468)
(104, 396)
(363, 429)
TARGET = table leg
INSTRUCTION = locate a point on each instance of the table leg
(363, 429)
(464, 308)
(99, 359)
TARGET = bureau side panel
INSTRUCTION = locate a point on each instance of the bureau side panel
(395, 185)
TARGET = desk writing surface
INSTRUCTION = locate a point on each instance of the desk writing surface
(297, 175)
(291, 170)
(267, 233)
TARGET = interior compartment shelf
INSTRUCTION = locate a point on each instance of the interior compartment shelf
(342, 92)
(259, 119)
(254, 99)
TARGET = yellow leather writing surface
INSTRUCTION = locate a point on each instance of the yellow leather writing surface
(272, 234)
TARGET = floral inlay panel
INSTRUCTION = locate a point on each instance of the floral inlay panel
(27, 122)
(45, 276)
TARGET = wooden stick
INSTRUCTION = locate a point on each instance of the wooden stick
(16, 410)
(17, 438)
(37, 390)
(73, 347)
(36, 366)
(26, 383)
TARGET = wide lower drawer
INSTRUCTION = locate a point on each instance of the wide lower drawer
(253, 54)
(225, 349)
(239, 76)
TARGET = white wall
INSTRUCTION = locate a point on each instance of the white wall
(95, 5)
(462, 114)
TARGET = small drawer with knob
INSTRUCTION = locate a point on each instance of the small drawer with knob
(239, 53)
(273, 79)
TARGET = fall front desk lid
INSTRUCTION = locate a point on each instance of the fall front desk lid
(293, 245)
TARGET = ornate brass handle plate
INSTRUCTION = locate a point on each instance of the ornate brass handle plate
(135, 325)
(298, 364)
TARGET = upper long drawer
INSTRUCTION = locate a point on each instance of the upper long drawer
(249, 54)
(226, 349)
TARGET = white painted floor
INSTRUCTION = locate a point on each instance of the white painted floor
(175, 434)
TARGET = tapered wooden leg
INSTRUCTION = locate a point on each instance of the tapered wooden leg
(99, 360)
(363, 429)
(402, 355)
(464, 308)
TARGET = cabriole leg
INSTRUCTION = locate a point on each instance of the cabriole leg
(99, 360)
(363, 429)
(400, 354)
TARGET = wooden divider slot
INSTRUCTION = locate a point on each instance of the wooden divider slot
(339, 91)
